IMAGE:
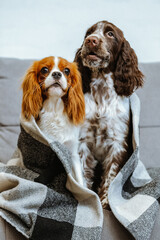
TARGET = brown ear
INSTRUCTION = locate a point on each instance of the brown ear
(85, 71)
(75, 103)
(127, 76)
(32, 97)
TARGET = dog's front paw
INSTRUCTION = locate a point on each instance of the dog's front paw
(105, 204)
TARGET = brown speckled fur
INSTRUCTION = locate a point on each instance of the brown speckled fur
(105, 139)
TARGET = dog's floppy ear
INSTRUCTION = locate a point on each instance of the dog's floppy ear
(32, 95)
(127, 76)
(74, 101)
(85, 71)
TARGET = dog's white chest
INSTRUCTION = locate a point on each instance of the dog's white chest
(54, 123)
(107, 116)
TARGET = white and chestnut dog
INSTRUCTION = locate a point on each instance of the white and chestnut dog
(52, 94)
(110, 74)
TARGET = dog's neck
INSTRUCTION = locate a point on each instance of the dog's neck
(99, 72)
(53, 104)
(102, 88)
(93, 74)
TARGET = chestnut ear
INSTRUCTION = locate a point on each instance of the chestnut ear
(75, 103)
(85, 71)
(32, 96)
(127, 76)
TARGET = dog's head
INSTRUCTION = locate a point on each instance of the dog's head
(52, 78)
(101, 45)
(105, 48)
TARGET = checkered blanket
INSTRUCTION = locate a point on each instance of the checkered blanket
(65, 210)
(133, 195)
(60, 210)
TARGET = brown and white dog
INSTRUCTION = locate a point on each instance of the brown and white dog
(110, 74)
(52, 94)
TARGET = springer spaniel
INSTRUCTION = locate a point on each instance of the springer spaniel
(110, 74)
(53, 96)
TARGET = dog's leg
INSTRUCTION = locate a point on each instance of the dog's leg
(110, 173)
(88, 162)
(77, 171)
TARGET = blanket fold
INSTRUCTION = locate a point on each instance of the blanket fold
(65, 210)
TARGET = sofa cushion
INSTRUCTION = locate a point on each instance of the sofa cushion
(11, 74)
(149, 146)
(150, 115)
(149, 95)
(8, 141)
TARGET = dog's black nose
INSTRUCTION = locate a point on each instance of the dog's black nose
(57, 75)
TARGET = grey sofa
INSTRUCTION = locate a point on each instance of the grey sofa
(11, 73)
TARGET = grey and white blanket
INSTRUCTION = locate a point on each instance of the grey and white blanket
(64, 209)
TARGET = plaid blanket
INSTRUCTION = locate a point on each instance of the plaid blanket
(133, 195)
(65, 210)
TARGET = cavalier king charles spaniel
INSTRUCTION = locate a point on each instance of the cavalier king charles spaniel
(52, 94)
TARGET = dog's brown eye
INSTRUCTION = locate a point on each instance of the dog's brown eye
(66, 71)
(110, 34)
(44, 70)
